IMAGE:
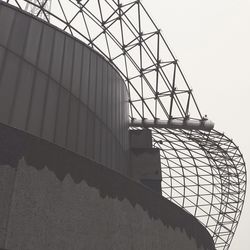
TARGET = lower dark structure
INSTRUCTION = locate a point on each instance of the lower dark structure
(52, 198)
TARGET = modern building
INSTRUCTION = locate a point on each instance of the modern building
(102, 144)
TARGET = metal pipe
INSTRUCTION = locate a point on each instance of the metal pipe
(174, 123)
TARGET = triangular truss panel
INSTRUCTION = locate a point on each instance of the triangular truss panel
(204, 173)
(126, 35)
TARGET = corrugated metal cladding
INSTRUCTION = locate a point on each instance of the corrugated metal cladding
(55, 87)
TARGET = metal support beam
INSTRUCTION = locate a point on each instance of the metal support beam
(175, 123)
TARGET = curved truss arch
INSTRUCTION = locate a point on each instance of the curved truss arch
(126, 35)
(203, 172)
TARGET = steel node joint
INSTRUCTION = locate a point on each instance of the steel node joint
(174, 123)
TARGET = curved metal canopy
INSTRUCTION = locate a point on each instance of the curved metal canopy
(203, 171)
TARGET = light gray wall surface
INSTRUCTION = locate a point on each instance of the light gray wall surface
(55, 87)
(54, 199)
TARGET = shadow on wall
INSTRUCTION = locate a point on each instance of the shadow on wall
(38, 153)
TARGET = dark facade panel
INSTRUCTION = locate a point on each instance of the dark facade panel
(57, 88)
(85, 74)
(104, 148)
(37, 103)
(1, 56)
(109, 95)
(68, 63)
(77, 72)
(19, 34)
(105, 93)
(57, 56)
(50, 111)
(22, 97)
(45, 48)
(90, 134)
(92, 82)
(82, 130)
(7, 17)
(99, 90)
(33, 41)
(9, 75)
(62, 118)
(72, 123)
(97, 140)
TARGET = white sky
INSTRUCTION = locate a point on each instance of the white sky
(211, 39)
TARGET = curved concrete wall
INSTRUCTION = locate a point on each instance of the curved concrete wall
(55, 87)
(53, 199)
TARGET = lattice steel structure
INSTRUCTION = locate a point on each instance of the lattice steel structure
(203, 171)
(35, 10)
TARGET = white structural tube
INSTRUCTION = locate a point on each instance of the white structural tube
(175, 123)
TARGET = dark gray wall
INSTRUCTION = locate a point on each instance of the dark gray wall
(52, 199)
(55, 87)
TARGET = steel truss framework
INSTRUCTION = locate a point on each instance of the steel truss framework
(203, 172)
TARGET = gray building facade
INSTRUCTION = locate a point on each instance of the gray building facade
(57, 88)
(65, 174)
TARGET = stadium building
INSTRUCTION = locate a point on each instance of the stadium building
(102, 144)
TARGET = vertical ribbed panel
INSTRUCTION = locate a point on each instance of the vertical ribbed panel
(57, 88)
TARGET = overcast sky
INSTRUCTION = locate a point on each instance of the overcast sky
(211, 39)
